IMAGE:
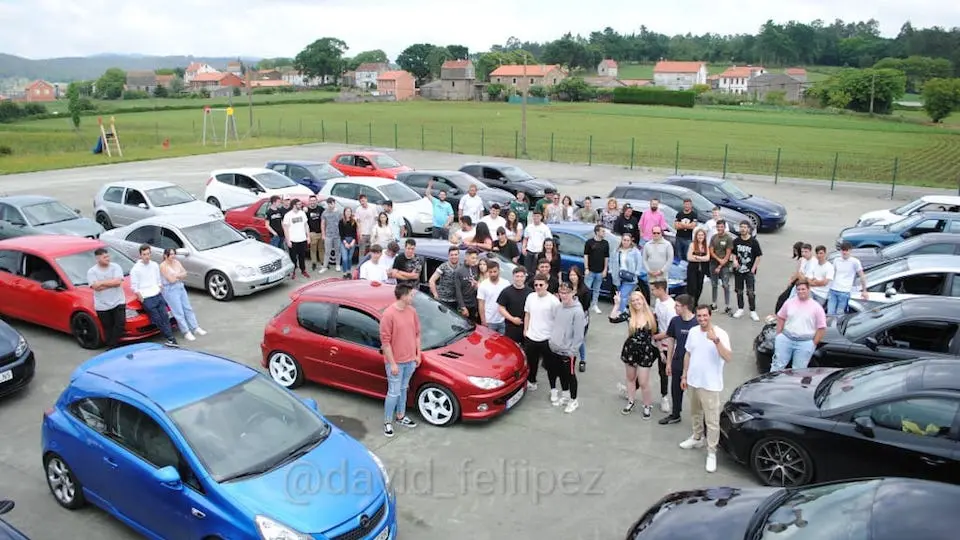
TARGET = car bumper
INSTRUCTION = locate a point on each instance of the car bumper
(141, 327)
(486, 405)
(736, 440)
(773, 223)
(421, 228)
(243, 286)
(18, 373)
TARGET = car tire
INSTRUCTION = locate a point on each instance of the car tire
(214, 202)
(219, 287)
(284, 369)
(409, 228)
(437, 405)
(755, 219)
(104, 220)
(85, 330)
(777, 452)
(252, 234)
(63, 484)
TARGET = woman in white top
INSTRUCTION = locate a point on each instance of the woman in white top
(568, 212)
(382, 232)
(175, 294)
(514, 227)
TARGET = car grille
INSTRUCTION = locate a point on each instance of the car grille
(272, 267)
(366, 526)
(7, 359)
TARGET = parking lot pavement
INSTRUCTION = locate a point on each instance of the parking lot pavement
(534, 471)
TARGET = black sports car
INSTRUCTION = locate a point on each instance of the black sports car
(795, 427)
(868, 509)
(456, 184)
(509, 178)
(928, 326)
(16, 360)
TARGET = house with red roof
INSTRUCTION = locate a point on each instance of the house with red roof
(799, 74)
(194, 69)
(400, 84)
(368, 74)
(39, 92)
(736, 79)
(215, 80)
(679, 75)
(521, 76)
(607, 68)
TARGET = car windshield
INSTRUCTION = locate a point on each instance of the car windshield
(464, 181)
(840, 511)
(399, 193)
(324, 171)
(249, 429)
(515, 174)
(734, 191)
(906, 223)
(852, 386)
(76, 266)
(274, 180)
(212, 235)
(901, 249)
(48, 212)
(386, 162)
(439, 325)
(866, 323)
(700, 203)
(169, 196)
(909, 207)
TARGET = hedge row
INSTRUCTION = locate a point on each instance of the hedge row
(638, 95)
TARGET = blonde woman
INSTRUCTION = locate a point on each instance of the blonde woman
(639, 352)
(610, 214)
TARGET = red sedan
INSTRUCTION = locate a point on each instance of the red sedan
(43, 280)
(368, 164)
(251, 219)
(330, 334)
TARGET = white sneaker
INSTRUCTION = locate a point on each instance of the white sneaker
(692, 443)
(338, 268)
(564, 398)
(622, 390)
(596, 309)
(199, 331)
(572, 406)
(554, 397)
(665, 404)
(737, 314)
(754, 316)
(711, 462)
(189, 336)
(531, 386)
(322, 269)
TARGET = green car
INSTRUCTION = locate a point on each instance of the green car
(21, 215)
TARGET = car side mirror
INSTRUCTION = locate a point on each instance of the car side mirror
(890, 292)
(168, 477)
(77, 210)
(183, 252)
(142, 205)
(6, 506)
(311, 404)
(864, 425)
(872, 343)
(50, 285)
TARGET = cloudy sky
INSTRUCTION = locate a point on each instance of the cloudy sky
(268, 28)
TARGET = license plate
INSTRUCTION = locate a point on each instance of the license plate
(6, 376)
(516, 397)
(275, 278)
(384, 534)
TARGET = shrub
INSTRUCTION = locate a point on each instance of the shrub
(639, 95)
(5, 150)
(33, 109)
(538, 91)
(135, 94)
(285, 89)
(236, 91)
(160, 91)
(575, 89)
(701, 88)
(605, 95)
(264, 91)
(495, 90)
(775, 97)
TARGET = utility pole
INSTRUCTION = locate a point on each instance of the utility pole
(249, 97)
(873, 90)
(523, 108)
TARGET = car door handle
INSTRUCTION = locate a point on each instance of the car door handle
(110, 463)
(932, 461)
(197, 513)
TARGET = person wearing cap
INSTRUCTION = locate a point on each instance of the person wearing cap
(330, 230)
(494, 220)
(628, 223)
(566, 335)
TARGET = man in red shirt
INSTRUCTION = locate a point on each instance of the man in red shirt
(400, 339)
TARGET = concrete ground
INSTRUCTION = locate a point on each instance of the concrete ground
(534, 472)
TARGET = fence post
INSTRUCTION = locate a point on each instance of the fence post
(301, 129)
(551, 146)
(633, 150)
(323, 132)
(590, 151)
(422, 138)
(896, 168)
(776, 171)
(156, 130)
(259, 128)
(516, 144)
(396, 139)
(833, 177)
(676, 160)
(481, 142)
(280, 127)
(451, 139)
(346, 131)
(726, 152)
(370, 133)
(193, 126)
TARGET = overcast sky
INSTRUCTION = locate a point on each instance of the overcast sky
(269, 28)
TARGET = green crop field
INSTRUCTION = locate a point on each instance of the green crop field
(787, 143)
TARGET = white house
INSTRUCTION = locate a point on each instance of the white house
(368, 73)
(194, 69)
(294, 78)
(679, 75)
(607, 68)
(735, 80)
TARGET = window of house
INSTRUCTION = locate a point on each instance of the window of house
(453, 84)
(531, 81)
(514, 80)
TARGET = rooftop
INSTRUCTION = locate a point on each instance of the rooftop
(668, 66)
(23, 200)
(393, 75)
(519, 70)
(141, 184)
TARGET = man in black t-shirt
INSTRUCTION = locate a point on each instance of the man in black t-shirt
(596, 260)
(746, 259)
(685, 224)
(275, 213)
(512, 301)
(314, 213)
(543, 267)
(677, 331)
(408, 266)
(506, 247)
(628, 223)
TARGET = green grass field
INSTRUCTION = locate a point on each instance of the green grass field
(809, 145)
(645, 71)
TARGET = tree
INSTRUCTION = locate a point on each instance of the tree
(73, 104)
(160, 91)
(487, 62)
(940, 98)
(458, 52)
(416, 59)
(918, 69)
(375, 56)
(435, 60)
(322, 58)
(574, 89)
(110, 84)
(855, 89)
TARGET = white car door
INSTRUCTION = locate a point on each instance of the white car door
(347, 194)
(247, 190)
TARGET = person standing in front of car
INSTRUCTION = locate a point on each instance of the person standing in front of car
(400, 340)
(596, 260)
(685, 223)
(651, 219)
(533, 238)
(442, 212)
(468, 279)
(657, 257)
(330, 230)
(175, 295)
(314, 217)
(297, 234)
(677, 334)
(628, 224)
(106, 280)
(487, 295)
(366, 215)
(471, 205)
(348, 241)
(146, 283)
(371, 269)
(407, 266)
(539, 310)
(512, 301)
(746, 259)
(846, 268)
(443, 282)
(566, 336)
(587, 214)
(801, 323)
(721, 254)
(275, 213)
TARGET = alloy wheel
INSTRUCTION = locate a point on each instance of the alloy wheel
(755, 220)
(283, 369)
(436, 406)
(61, 482)
(218, 286)
(214, 202)
(779, 462)
(85, 331)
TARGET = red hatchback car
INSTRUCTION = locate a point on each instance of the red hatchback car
(368, 164)
(330, 334)
(43, 280)
(251, 219)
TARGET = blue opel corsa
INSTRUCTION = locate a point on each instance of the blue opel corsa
(180, 444)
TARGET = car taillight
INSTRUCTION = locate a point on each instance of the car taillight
(48, 412)
(209, 180)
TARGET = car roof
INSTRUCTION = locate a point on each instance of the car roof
(938, 237)
(697, 178)
(436, 172)
(176, 220)
(300, 162)
(373, 295)
(945, 199)
(936, 215)
(573, 228)
(932, 261)
(666, 188)
(489, 164)
(25, 200)
(372, 181)
(51, 245)
(170, 377)
(364, 153)
(945, 307)
(939, 373)
(249, 171)
(139, 184)
(896, 498)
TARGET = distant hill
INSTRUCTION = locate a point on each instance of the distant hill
(91, 67)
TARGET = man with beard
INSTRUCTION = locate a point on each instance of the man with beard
(443, 282)
(314, 218)
(468, 279)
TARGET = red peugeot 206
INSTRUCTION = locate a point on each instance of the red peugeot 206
(43, 280)
(330, 334)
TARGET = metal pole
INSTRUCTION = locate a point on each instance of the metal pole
(633, 150)
(523, 108)
(280, 127)
(776, 172)
(422, 138)
(726, 152)
(590, 151)
(249, 97)
(396, 139)
(676, 160)
(346, 132)
(323, 132)
(156, 130)
(451, 139)
(551, 146)
(833, 177)
(516, 144)
(301, 128)
(481, 142)
(896, 168)
(370, 133)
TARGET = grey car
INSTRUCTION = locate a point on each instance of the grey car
(217, 257)
(22, 215)
(122, 203)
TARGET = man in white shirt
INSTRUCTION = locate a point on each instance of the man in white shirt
(821, 274)
(493, 220)
(371, 270)
(711, 224)
(665, 309)
(471, 205)
(539, 312)
(296, 231)
(708, 350)
(487, 295)
(845, 270)
(366, 215)
(145, 283)
(533, 238)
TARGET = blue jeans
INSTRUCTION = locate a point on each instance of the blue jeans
(683, 245)
(626, 288)
(837, 303)
(395, 406)
(277, 242)
(175, 295)
(346, 254)
(787, 350)
(156, 309)
(583, 346)
(593, 281)
(498, 327)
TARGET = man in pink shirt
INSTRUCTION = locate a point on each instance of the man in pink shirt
(400, 340)
(801, 323)
(650, 219)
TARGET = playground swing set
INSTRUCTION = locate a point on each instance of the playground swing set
(109, 140)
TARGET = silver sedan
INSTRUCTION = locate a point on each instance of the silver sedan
(216, 256)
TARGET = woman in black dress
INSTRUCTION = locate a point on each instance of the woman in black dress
(639, 352)
(698, 264)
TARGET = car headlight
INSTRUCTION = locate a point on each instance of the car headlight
(738, 417)
(486, 383)
(383, 469)
(245, 271)
(131, 314)
(272, 530)
(21, 347)
(775, 214)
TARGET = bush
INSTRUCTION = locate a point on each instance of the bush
(236, 91)
(264, 91)
(160, 91)
(605, 95)
(135, 94)
(638, 95)
(538, 91)
(5, 150)
(33, 109)
(701, 88)
(495, 91)
(285, 89)
(575, 89)
(775, 97)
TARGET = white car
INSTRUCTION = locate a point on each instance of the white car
(416, 210)
(230, 188)
(927, 203)
(121, 203)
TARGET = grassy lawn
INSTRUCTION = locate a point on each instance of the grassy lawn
(951, 121)
(807, 143)
(120, 104)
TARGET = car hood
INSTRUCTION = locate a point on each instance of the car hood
(291, 190)
(790, 388)
(304, 494)
(537, 185)
(9, 338)
(249, 252)
(397, 170)
(720, 512)
(763, 204)
(195, 208)
(865, 233)
(75, 227)
(413, 209)
(879, 216)
(484, 353)
(867, 256)
(496, 195)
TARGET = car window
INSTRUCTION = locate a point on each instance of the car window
(618, 193)
(279, 167)
(398, 193)
(712, 192)
(373, 196)
(569, 244)
(925, 284)
(93, 412)
(362, 162)
(39, 270)
(11, 214)
(75, 266)
(386, 162)
(430, 266)
(935, 249)
(169, 196)
(262, 211)
(346, 190)
(925, 417)
(346, 159)
(638, 194)
(211, 235)
(671, 200)
(927, 226)
(927, 336)
(226, 178)
(955, 226)
(315, 317)
(491, 173)
(169, 239)
(955, 289)
(113, 194)
(297, 172)
(838, 511)
(271, 180)
(358, 327)
(144, 235)
(134, 198)
(245, 182)
(418, 181)
(9, 261)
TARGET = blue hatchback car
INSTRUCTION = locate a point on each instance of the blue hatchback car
(183, 444)
(312, 174)
(878, 236)
(765, 214)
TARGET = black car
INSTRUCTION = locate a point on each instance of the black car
(868, 509)
(7, 531)
(925, 326)
(924, 244)
(456, 184)
(509, 178)
(795, 427)
(17, 363)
